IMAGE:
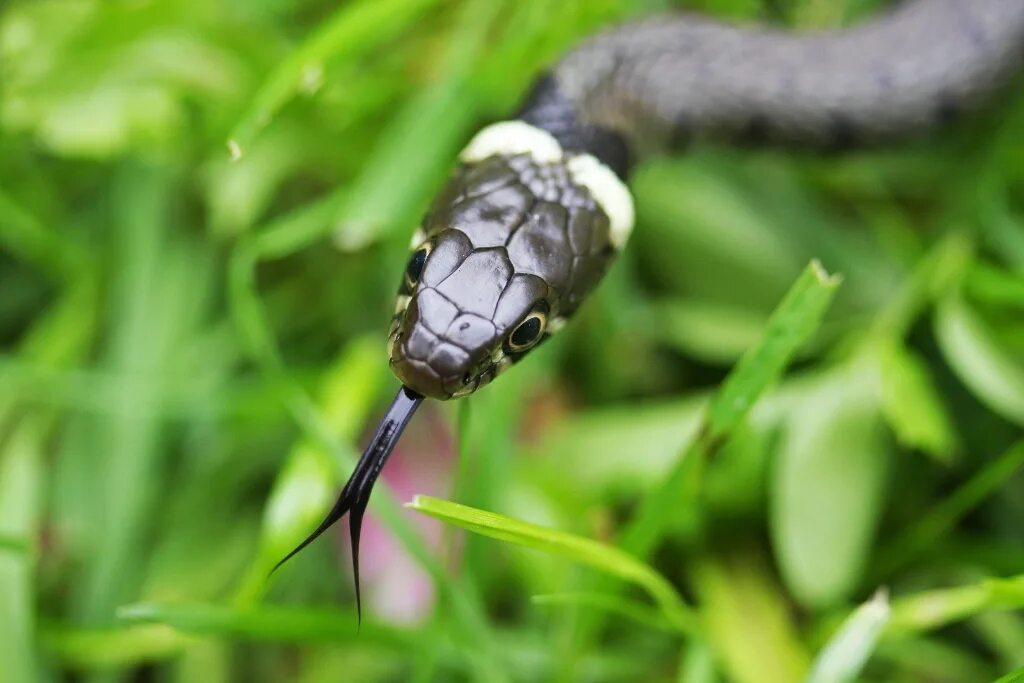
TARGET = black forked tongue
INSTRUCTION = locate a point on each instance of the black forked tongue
(356, 494)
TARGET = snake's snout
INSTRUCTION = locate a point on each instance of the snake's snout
(435, 350)
(419, 377)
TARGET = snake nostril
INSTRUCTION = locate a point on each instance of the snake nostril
(467, 378)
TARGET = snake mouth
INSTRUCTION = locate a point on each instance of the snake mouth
(427, 356)
(494, 364)
(416, 370)
(423, 377)
(471, 381)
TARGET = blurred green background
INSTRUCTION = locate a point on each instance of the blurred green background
(204, 211)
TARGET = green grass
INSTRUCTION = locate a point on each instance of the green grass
(709, 476)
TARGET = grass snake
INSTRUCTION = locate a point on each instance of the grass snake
(538, 206)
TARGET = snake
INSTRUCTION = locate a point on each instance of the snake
(539, 206)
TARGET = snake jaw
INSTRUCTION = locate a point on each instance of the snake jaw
(496, 363)
(420, 376)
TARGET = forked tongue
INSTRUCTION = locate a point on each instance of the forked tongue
(356, 494)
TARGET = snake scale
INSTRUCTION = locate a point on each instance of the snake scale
(538, 206)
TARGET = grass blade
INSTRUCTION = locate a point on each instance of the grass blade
(614, 604)
(789, 327)
(25, 236)
(827, 486)
(1013, 677)
(21, 486)
(433, 124)
(264, 623)
(794, 321)
(605, 558)
(353, 30)
(937, 608)
(934, 524)
(842, 659)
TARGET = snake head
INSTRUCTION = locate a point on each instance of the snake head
(464, 315)
(506, 253)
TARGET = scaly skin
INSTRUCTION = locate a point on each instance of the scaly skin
(533, 216)
(508, 237)
(666, 78)
(513, 232)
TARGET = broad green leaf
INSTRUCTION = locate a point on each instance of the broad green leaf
(975, 355)
(1002, 227)
(746, 620)
(698, 664)
(625, 448)
(736, 479)
(931, 658)
(674, 503)
(715, 333)
(702, 236)
(827, 486)
(997, 286)
(912, 405)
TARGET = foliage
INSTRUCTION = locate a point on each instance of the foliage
(204, 208)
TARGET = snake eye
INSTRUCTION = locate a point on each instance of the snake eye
(528, 332)
(414, 269)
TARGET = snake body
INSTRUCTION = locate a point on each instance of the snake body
(538, 206)
(671, 78)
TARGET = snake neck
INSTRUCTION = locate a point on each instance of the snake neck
(549, 109)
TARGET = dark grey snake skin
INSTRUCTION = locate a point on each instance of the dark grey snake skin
(538, 209)
(509, 237)
(508, 220)
(917, 65)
